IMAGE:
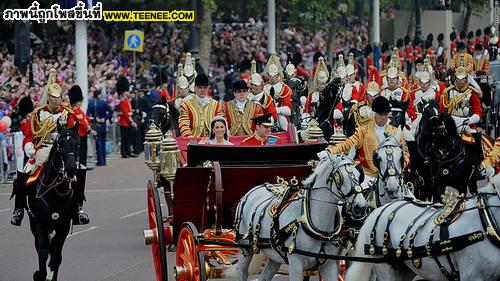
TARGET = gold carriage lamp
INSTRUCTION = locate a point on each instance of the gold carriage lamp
(152, 149)
(170, 157)
(313, 131)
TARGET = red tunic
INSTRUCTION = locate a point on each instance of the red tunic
(256, 140)
(418, 52)
(474, 103)
(430, 52)
(126, 111)
(453, 48)
(409, 54)
(82, 119)
(285, 97)
(28, 128)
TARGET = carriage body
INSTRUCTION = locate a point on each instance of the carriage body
(206, 191)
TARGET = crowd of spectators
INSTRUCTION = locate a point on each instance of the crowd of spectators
(233, 46)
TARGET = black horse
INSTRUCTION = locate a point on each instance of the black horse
(328, 100)
(442, 158)
(53, 203)
(165, 116)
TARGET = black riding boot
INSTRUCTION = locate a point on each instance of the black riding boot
(19, 190)
(80, 217)
(478, 147)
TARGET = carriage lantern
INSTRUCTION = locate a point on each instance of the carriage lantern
(338, 136)
(152, 148)
(170, 157)
(313, 131)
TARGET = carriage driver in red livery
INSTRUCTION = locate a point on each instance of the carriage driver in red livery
(38, 141)
(262, 134)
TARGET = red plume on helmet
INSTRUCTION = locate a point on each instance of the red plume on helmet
(374, 75)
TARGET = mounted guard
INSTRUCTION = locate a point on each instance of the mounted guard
(462, 103)
(279, 91)
(313, 99)
(37, 143)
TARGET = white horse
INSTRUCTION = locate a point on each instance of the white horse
(389, 185)
(474, 256)
(310, 223)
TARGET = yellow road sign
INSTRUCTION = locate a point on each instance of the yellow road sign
(133, 41)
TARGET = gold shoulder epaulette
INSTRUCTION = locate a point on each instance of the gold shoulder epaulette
(247, 138)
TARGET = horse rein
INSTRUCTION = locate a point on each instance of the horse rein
(61, 174)
(167, 112)
(391, 170)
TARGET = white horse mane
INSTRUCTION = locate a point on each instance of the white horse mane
(391, 141)
(326, 160)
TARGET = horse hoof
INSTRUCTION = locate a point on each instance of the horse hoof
(38, 276)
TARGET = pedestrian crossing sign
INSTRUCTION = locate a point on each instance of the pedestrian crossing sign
(133, 41)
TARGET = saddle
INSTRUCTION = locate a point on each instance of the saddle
(453, 206)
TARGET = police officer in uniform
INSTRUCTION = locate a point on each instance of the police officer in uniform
(99, 112)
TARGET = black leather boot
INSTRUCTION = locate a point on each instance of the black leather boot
(17, 217)
(19, 190)
(80, 217)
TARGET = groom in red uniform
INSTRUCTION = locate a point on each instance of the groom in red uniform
(262, 134)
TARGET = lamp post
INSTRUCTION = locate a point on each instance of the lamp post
(418, 26)
(193, 35)
(152, 150)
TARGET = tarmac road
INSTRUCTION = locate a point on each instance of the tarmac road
(110, 248)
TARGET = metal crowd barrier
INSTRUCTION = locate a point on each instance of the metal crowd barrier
(9, 161)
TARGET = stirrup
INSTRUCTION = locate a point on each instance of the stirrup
(81, 218)
(17, 217)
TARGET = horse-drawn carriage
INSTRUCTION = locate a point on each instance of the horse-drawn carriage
(207, 188)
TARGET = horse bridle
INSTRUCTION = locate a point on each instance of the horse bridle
(61, 173)
(165, 116)
(391, 170)
(337, 177)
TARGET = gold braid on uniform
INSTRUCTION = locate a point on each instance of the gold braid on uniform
(43, 132)
(452, 104)
(46, 128)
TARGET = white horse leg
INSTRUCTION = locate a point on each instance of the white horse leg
(387, 272)
(270, 270)
(243, 263)
(296, 267)
(329, 271)
(358, 271)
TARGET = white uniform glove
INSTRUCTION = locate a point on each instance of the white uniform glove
(303, 100)
(284, 110)
(29, 149)
(459, 121)
(473, 119)
(337, 114)
(489, 171)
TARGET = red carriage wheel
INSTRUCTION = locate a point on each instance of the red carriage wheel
(156, 235)
(189, 262)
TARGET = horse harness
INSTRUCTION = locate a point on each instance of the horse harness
(165, 116)
(390, 171)
(285, 193)
(444, 215)
(59, 179)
